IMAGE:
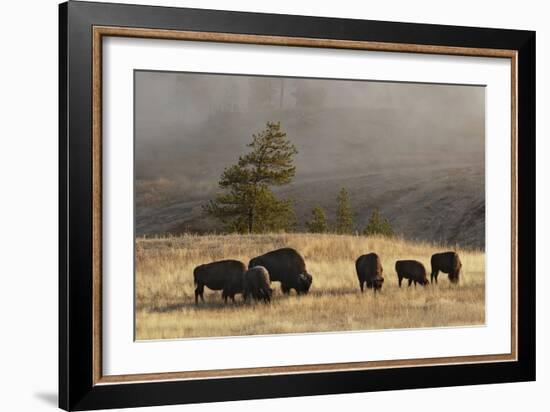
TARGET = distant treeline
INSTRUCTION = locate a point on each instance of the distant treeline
(247, 203)
(344, 223)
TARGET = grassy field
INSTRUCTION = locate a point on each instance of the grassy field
(165, 305)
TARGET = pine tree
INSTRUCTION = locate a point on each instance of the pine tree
(248, 205)
(318, 222)
(344, 215)
(378, 226)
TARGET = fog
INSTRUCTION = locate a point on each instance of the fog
(337, 125)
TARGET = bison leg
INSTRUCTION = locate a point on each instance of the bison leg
(400, 280)
(198, 292)
(285, 289)
(433, 276)
(410, 282)
(361, 285)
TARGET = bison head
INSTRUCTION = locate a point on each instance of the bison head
(304, 283)
(266, 294)
(377, 283)
(454, 277)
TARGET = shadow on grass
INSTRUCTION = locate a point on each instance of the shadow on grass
(215, 302)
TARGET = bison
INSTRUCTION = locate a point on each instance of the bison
(446, 262)
(369, 271)
(256, 284)
(412, 270)
(224, 274)
(286, 266)
(233, 284)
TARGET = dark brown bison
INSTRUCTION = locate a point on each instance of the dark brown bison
(222, 275)
(256, 284)
(286, 266)
(369, 271)
(446, 262)
(233, 284)
(412, 270)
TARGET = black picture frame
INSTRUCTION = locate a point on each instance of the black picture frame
(77, 390)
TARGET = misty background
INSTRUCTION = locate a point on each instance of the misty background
(414, 151)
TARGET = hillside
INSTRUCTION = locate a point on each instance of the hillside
(433, 203)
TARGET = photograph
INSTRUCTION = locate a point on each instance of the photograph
(264, 204)
(279, 205)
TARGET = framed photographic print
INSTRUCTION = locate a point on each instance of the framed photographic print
(256, 205)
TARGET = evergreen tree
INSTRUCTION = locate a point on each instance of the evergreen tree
(318, 222)
(248, 205)
(378, 226)
(344, 215)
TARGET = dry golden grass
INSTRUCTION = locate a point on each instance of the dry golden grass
(165, 305)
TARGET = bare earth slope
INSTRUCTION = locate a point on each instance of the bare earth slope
(425, 202)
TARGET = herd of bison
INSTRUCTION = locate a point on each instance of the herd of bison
(288, 267)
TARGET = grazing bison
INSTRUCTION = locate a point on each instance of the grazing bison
(286, 266)
(446, 262)
(224, 274)
(369, 271)
(256, 284)
(412, 270)
(233, 284)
